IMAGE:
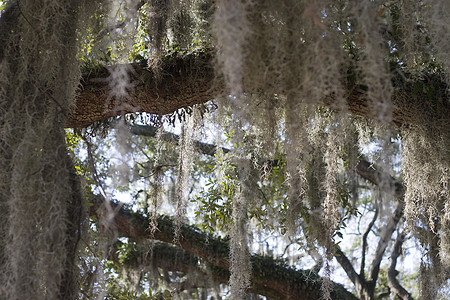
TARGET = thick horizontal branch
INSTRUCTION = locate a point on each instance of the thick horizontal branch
(180, 82)
(162, 255)
(269, 276)
(188, 80)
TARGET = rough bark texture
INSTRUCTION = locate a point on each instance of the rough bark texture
(186, 80)
(181, 82)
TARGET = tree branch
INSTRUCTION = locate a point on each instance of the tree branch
(370, 173)
(367, 171)
(182, 82)
(364, 168)
(189, 79)
(151, 131)
(162, 255)
(266, 272)
(364, 240)
(359, 281)
(385, 238)
(393, 283)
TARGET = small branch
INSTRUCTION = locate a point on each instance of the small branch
(369, 172)
(107, 204)
(364, 240)
(95, 175)
(348, 267)
(393, 283)
(384, 240)
(151, 131)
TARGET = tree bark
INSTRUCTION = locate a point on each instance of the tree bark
(183, 81)
(180, 82)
